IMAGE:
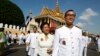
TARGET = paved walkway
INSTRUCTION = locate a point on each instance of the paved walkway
(19, 50)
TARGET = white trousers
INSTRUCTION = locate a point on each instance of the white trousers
(32, 52)
(85, 51)
(99, 47)
(27, 48)
(20, 42)
(81, 50)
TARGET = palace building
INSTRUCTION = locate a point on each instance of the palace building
(54, 17)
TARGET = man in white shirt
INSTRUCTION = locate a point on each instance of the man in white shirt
(32, 42)
(9, 38)
(98, 42)
(83, 43)
(67, 38)
(86, 43)
(27, 35)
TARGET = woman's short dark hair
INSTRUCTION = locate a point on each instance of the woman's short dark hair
(42, 25)
(69, 11)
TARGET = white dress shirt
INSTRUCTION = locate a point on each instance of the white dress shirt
(32, 39)
(43, 44)
(67, 41)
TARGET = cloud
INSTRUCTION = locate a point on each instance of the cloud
(81, 25)
(86, 18)
(87, 14)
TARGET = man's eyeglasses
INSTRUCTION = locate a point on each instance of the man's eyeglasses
(71, 15)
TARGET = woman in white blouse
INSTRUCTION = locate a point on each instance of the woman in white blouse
(45, 41)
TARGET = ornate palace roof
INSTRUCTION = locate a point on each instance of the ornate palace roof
(56, 13)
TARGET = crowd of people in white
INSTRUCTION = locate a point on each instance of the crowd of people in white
(44, 42)
(15, 38)
(67, 40)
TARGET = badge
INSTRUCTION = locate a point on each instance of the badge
(64, 42)
(41, 39)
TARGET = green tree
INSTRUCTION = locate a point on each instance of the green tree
(10, 13)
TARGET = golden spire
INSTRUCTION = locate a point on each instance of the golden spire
(57, 7)
(30, 11)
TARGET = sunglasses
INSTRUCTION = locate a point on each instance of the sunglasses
(70, 15)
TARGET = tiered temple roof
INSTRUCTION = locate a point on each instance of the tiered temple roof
(56, 13)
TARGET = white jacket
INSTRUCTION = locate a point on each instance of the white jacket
(67, 41)
(32, 39)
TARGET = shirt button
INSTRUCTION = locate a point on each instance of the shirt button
(72, 47)
(72, 52)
